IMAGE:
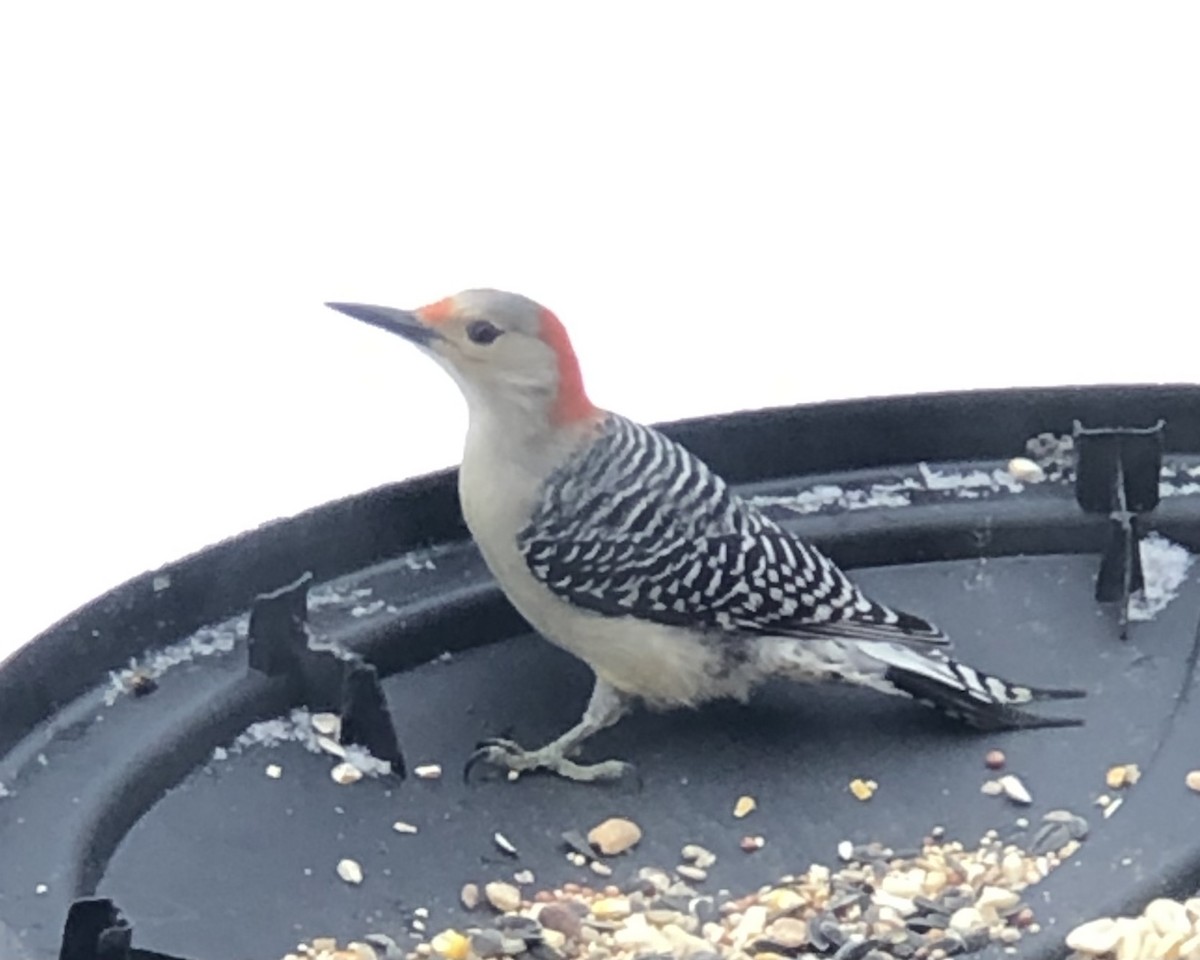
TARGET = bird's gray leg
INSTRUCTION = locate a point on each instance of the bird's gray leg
(605, 708)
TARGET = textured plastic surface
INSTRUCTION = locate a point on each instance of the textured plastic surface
(211, 859)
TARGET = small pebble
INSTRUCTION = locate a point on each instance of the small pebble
(503, 896)
(345, 774)
(401, 827)
(428, 771)
(845, 850)
(1192, 780)
(274, 771)
(599, 867)
(350, 871)
(752, 844)
(41, 889)
(744, 806)
(469, 896)
(577, 859)
(523, 876)
(689, 872)
(994, 759)
(614, 836)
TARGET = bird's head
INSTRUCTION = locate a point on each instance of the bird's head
(509, 355)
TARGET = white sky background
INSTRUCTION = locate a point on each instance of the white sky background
(729, 206)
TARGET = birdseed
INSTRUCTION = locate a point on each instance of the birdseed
(1026, 470)
(350, 871)
(994, 759)
(1122, 775)
(274, 771)
(863, 789)
(940, 899)
(1192, 780)
(614, 836)
(331, 746)
(1165, 929)
(503, 844)
(698, 856)
(744, 807)
(1014, 789)
(345, 774)
(327, 725)
(428, 771)
(401, 827)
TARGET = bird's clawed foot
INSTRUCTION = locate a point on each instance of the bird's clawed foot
(510, 755)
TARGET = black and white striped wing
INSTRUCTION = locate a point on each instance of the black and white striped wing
(636, 525)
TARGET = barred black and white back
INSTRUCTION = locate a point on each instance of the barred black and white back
(635, 525)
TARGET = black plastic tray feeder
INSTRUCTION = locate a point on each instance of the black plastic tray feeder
(135, 734)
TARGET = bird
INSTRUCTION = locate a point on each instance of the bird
(622, 547)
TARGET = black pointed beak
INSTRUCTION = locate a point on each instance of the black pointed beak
(403, 323)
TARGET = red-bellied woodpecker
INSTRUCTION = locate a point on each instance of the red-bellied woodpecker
(622, 547)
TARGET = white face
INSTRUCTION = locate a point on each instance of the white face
(511, 357)
(491, 344)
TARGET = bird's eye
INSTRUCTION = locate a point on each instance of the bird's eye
(480, 331)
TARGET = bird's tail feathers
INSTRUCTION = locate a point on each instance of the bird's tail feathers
(964, 693)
